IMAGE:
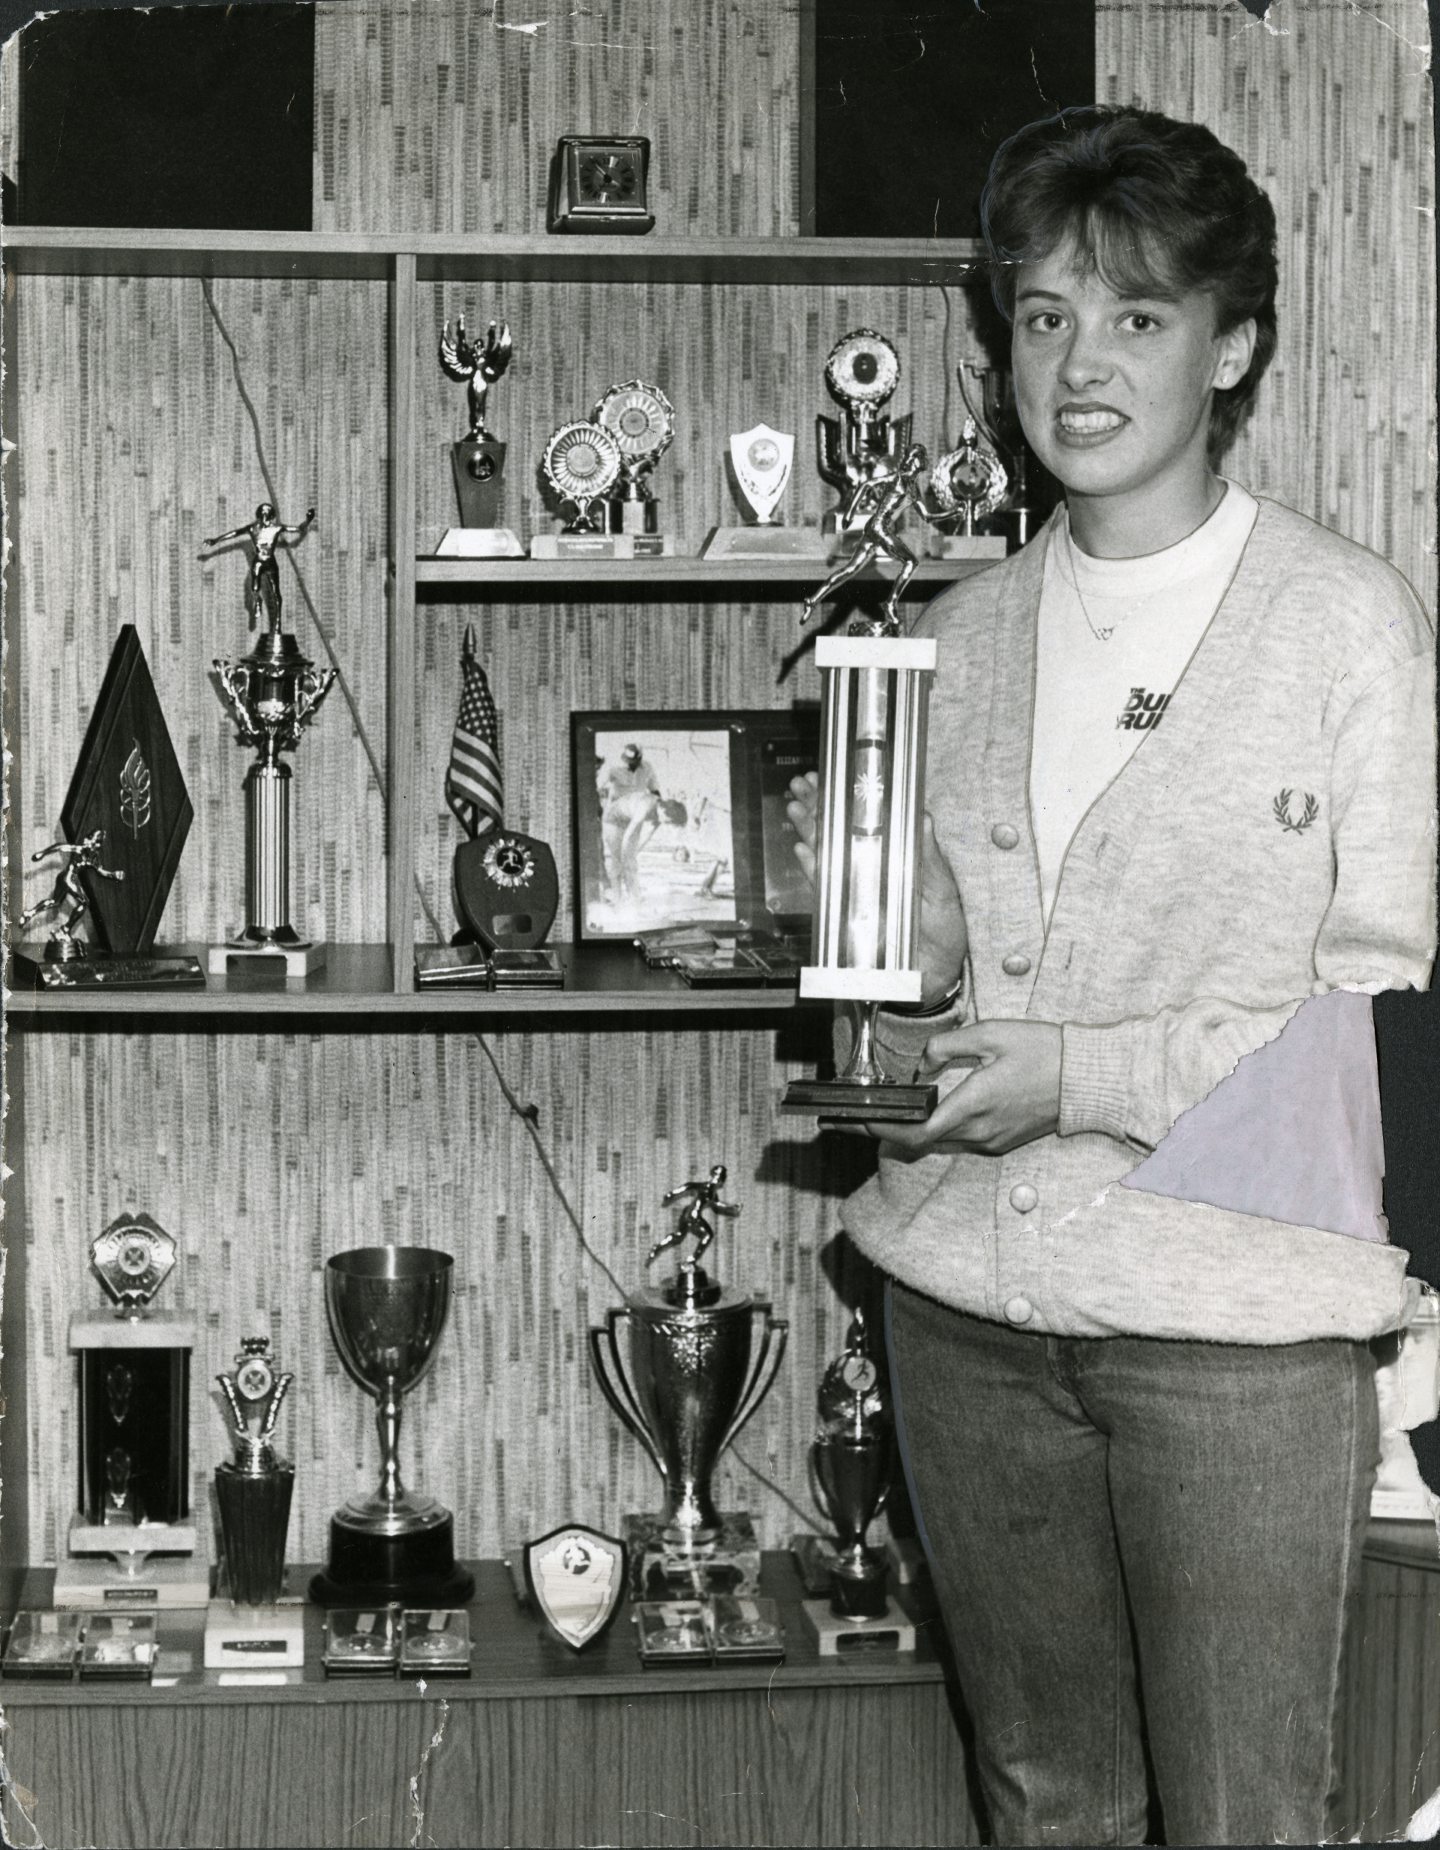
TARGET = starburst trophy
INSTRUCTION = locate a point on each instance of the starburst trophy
(695, 1376)
(581, 464)
(874, 706)
(641, 419)
(862, 372)
(477, 458)
(273, 692)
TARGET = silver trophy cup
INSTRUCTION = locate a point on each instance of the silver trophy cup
(387, 1307)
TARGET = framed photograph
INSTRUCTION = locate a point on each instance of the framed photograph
(680, 820)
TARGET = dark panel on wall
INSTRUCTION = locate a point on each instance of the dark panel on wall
(200, 117)
(911, 98)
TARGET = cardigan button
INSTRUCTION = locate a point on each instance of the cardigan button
(1023, 1198)
(1004, 836)
(1019, 1310)
(1016, 964)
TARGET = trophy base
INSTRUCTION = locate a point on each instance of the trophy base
(603, 546)
(891, 1103)
(415, 1569)
(299, 958)
(765, 542)
(836, 1637)
(254, 1638)
(662, 1568)
(968, 546)
(104, 970)
(158, 1584)
(479, 543)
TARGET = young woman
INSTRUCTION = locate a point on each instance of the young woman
(1181, 783)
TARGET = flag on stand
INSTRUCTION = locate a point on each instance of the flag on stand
(474, 783)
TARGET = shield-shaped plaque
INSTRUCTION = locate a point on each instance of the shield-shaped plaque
(128, 783)
(506, 889)
(762, 459)
(576, 1578)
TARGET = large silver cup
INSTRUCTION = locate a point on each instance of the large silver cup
(387, 1307)
(701, 1359)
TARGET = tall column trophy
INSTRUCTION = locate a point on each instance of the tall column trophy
(387, 1306)
(862, 372)
(478, 458)
(875, 703)
(273, 692)
(641, 419)
(247, 1628)
(852, 1464)
(694, 1377)
(133, 1541)
(760, 461)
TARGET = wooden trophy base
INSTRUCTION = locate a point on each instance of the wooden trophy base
(479, 543)
(892, 1103)
(299, 959)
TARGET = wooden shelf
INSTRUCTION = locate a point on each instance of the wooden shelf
(357, 980)
(719, 575)
(515, 1658)
(123, 251)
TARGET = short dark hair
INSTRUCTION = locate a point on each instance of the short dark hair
(1152, 203)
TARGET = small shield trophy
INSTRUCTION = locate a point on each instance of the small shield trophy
(852, 1464)
(575, 1580)
(478, 458)
(875, 699)
(862, 372)
(695, 1374)
(760, 461)
(580, 466)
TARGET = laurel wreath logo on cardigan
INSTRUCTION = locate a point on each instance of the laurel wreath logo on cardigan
(1295, 826)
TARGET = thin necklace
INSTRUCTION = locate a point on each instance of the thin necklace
(1103, 634)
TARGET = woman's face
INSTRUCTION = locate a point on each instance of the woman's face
(1113, 389)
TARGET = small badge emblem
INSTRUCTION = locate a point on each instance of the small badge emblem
(1295, 825)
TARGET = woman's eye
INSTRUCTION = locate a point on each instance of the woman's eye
(1045, 322)
(1141, 323)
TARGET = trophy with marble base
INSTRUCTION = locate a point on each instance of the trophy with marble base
(581, 465)
(761, 460)
(861, 372)
(273, 693)
(969, 483)
(851, 1463)
(125, 821)
(387, 1306)
(874, 708)
(695, 1374)
(133, 1542)
(477, 459)
(247, 1627)
(641, 419)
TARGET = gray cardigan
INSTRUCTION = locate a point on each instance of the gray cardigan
(1197, 908)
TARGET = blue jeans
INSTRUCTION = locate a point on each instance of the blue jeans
(1140, 1546)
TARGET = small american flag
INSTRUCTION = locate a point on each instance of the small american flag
(474, 783)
